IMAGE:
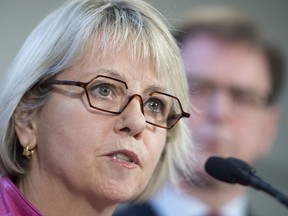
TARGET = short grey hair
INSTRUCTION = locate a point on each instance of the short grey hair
(61, 40)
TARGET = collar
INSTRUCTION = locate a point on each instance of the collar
(170, 202)
(12, 201)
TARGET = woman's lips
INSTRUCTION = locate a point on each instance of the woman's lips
(125, 158)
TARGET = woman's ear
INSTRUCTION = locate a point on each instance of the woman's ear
(26, 131)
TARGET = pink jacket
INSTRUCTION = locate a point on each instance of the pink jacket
(12, 201)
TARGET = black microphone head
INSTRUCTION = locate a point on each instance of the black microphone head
(221, 169)
(242, 165)
(233, 170)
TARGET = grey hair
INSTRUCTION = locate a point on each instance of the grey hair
(61, 40)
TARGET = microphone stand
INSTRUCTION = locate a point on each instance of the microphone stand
(260, 184)
(233, 170)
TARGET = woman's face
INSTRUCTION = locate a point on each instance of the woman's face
(86, 153)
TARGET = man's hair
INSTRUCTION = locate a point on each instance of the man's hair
(232, 26)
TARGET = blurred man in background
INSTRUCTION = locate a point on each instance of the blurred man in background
(235, 77)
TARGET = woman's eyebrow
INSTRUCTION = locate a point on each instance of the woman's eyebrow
(122, 76)
(106, 72)
(153, 88)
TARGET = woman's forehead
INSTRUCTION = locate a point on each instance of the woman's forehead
(119, 65)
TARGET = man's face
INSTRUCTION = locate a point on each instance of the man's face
(229, 85)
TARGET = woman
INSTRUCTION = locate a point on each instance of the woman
(90, 111)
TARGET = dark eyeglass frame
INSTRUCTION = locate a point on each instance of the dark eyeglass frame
(261, 101)
(130, 98)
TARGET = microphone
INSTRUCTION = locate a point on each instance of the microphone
(232, 170)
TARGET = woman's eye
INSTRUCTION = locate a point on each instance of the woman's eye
(104, 91)
(101, 90)
(155, 105)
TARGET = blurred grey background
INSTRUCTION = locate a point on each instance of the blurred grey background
(19, 17)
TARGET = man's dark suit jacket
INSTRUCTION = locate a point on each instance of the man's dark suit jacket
(143, 209)
(140, 209)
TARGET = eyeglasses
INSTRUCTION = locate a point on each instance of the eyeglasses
(242, 100)
(110, 95)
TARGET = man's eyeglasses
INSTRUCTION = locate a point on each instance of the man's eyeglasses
(110, 95)
(201, 92)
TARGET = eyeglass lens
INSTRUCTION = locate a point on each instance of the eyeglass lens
(111, 95)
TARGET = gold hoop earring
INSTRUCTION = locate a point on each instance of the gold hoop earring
(28, 153)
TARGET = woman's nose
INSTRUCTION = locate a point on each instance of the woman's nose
(132, 120)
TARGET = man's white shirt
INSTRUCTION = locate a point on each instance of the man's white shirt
(170, 202)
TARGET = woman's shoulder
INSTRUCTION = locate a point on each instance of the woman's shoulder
(12, 201)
